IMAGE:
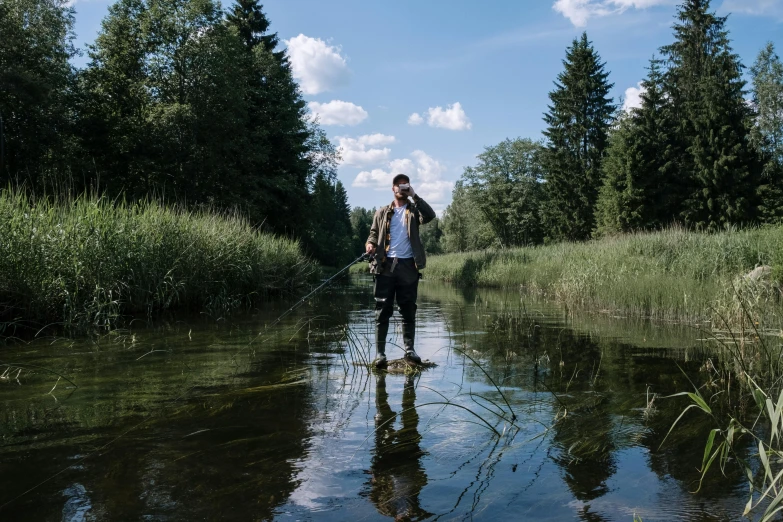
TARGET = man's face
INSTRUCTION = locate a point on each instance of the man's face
(400, 194)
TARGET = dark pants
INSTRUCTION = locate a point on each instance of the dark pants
(399, 282)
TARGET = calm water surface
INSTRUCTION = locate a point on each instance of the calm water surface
(220, 419)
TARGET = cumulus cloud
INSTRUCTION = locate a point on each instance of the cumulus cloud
(633, 97)
(415, 119)
(317, 65)
(452, 117)
(580, 11)
(426, 175)
(338, 112)
(364, 150)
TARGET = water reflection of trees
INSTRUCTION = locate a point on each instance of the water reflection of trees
(604, 384)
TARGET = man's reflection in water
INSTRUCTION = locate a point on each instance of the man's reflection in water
(397, 474)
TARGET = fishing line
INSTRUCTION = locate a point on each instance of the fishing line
(308, 296)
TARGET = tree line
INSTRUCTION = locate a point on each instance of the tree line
(700, 151)
(180, 101)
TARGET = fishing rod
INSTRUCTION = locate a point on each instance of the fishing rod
(322, 285)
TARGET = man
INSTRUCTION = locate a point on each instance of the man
(397, 257)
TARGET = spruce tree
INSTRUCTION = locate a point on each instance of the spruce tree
(252, 24)
(620, 200)
(705, 89)
(287, 152)
(578, 122)
(639, 189)
(330, 239)
(767, 132)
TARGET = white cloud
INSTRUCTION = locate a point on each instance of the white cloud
(415, 119)
(633, 97)
(426, 175)
(338, 112)
(452, 117)
(373, 178)
(754, 7)
(580, 11)
(363, 151)
(318, 66)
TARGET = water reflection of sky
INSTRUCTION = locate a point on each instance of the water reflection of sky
(200, 428)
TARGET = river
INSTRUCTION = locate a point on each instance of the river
(220, 418)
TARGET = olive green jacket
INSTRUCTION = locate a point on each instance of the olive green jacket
(419, 213)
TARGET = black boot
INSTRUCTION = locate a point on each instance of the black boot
(381, 331)
(408, 335)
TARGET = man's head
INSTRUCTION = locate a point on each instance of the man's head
(400, 179)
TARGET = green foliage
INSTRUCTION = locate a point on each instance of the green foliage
(330, 236)
(431, 235)
(640, 190)
(464, 226)
(83, 263)
(361, 221)
(505, 186)
(179, 101)
(672, 274)
(36, 82)
(767, 133)
(252, 25)
(577, 131)
(719, 169)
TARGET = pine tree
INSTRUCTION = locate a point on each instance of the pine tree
(620, 201)
(361, 221)
(251, 22)
(639, 190)
(287, 152)
(767, 132)
(578, 122)
(705, 88)
(330, 239)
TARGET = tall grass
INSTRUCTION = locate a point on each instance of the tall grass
(673, 274)
(84, 262)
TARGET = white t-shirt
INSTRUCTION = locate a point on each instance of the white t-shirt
(400, 243)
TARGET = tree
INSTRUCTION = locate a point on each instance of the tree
(251, 22)
(36, 89)
(361, 221)
(330, 239)
(705, 88)
(464, 226)
(288, 152)
(640, 187)
(164, 110)
(577, 131)
(620, 200)
(505, 186)
(431, 234)
(767, 133)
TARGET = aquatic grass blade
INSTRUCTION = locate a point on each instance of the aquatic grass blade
(676, 421)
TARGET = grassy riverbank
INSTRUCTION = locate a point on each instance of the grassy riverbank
(673, 274)
(83, 263)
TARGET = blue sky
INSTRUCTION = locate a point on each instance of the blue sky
(423, 86)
